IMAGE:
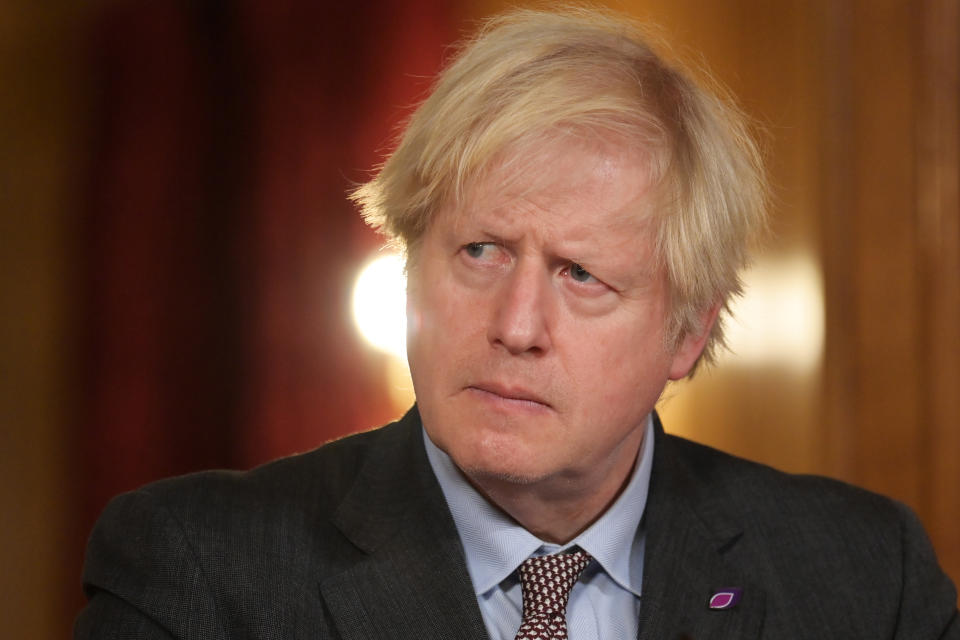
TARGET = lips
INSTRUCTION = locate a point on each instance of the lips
(509, 392)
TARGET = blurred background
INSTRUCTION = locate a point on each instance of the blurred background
(178, 261)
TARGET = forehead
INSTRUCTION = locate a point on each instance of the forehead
(578, 184)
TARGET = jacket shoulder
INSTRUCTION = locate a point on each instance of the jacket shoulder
(819, 544)
(787, 507)
(195, 554)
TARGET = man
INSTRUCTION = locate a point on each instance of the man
(575, 213)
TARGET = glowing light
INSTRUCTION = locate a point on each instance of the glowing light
(780, 318)
(379, 305)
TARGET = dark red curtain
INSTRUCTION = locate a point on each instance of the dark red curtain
(217, 247)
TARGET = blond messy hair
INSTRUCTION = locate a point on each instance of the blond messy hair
(528, 74)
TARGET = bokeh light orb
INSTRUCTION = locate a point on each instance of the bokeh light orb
(379, 304)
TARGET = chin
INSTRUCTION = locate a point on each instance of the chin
(491, 446)
(500, 474)
(504, 464)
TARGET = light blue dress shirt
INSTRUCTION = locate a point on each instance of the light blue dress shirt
(604, 603)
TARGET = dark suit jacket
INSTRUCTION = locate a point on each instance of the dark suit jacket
(354, 541)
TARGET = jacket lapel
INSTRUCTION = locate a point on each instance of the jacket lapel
(690, 556)
(407, 551)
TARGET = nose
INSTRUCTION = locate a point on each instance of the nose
(524, 306)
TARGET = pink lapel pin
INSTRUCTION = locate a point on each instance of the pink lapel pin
(726, 598)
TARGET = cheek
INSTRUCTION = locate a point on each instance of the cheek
(444, 324)
(436, 314)
(621, 373)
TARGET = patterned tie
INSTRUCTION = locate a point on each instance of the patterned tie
(546, 582)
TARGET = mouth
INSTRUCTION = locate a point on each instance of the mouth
(509, 395)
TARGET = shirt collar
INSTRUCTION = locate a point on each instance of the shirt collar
(495, 544)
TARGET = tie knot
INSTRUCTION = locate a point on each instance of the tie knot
(546, 582)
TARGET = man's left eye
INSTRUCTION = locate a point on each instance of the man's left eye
(475, 249)
(579, 274)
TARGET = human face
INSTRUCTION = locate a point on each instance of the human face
(537, 320)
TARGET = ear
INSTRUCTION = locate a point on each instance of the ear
(692, 343)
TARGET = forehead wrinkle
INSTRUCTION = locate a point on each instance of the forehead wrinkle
(552, 183)
(493, 211)
(548, 194)
(623, 223)
(523, 166)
